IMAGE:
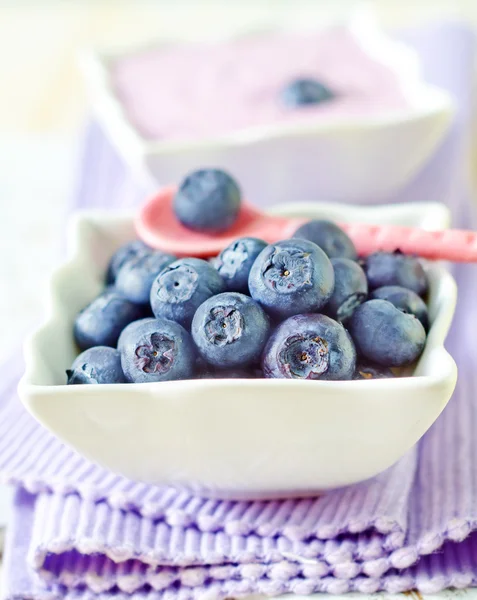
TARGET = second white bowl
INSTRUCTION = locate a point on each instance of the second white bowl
(347, 159)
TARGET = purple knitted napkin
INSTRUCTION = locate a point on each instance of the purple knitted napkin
(87, 533)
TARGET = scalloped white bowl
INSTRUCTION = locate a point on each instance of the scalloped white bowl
(235, 438)
(346, 158)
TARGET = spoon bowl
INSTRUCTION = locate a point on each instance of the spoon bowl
(157, 226)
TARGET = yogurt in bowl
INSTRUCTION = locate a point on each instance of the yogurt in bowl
(170, 109)
(203, 91)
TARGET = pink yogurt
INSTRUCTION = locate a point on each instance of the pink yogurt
(200, 91)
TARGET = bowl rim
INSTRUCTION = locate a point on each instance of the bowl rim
(95, 65)
(439, 218)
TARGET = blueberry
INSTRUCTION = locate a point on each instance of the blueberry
(305, 91)
(160, 351)
(230, 330)
(101, 322)
(121, 256)
(351, 289)
(235, 261)
(394, 268)
(134, 279)
(208, 200)
(128, 334)
(291, 277)
(369, 370)
(100, 364)
(180, 289)
(406, 300)
(309, 347)
(334, 242)
(384, 334)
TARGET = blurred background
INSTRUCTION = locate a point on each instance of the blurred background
(43, 105)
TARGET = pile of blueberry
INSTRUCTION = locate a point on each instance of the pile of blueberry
(301, 308)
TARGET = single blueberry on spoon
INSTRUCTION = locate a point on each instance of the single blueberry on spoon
(208, 200)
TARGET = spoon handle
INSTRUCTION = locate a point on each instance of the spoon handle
(450, 244)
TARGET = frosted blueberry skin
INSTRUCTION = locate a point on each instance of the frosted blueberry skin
(230, 330)
(386, 335)
(394, 268)
(305, 92)
(101, 364)
(122, 255)
(235, 261)
(134, 279)
(369, 370)
(179, 290)
(309, 347)
(208, 200)
(128, 334)
(351, 289)
(101, 322)
(161, 350)
(334, 242)
(406, 300)
(291, 277)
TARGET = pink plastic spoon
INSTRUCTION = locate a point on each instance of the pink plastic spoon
(158, 227)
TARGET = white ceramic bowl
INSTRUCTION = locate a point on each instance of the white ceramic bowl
(235, 438)
(343, 159)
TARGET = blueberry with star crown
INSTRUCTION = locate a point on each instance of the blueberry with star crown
(309, 347)
(291, 277)
(230, 330)
(208, 200)
(160, 350)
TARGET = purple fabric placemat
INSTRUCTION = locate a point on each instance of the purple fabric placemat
(87, 532)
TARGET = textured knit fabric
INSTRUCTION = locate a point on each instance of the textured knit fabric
(88, 533)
